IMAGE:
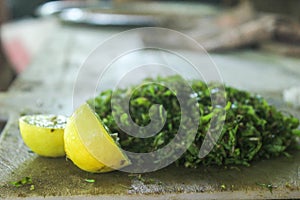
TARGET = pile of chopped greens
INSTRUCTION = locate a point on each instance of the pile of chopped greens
(253, 129)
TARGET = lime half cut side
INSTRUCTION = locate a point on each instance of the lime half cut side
(89, 145)
(44, 134)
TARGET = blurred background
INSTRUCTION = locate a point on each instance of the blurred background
(221, 26)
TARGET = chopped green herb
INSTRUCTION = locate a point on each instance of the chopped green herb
(89, 180)
(32, 187)
(253, 129)
(223, 187)
(23, 181)
(270, 187)
(143, 179)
